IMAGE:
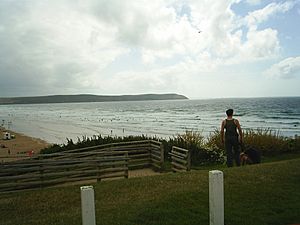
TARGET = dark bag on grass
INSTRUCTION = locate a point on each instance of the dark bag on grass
(253, 155)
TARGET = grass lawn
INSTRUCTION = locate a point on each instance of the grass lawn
(265, 194)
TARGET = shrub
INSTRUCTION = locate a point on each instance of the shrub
(268, 142)
(200, 152)
(203, 150)
(91, 141)
(214, 140)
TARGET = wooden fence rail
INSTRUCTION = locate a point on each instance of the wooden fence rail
(180, 159)
(41, 173)
(108, 161)
(141, 153)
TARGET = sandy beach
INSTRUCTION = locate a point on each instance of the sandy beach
(19, 144)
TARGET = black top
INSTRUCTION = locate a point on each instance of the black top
(230, 127)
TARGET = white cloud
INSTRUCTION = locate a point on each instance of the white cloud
(66, 46)
(262, 44)
(57, 45)
(253, 2)
(223, 35)
(285, 69)
(254, 18)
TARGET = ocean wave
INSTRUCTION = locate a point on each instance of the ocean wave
(281, 117)
(156, 117)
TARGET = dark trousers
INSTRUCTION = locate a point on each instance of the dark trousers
(232, 150)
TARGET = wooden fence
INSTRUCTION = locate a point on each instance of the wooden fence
(98, 162)
(141, 153)
(30, 174)
(180, 159)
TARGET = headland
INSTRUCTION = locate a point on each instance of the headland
(88, 98)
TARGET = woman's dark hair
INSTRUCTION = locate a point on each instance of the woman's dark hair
(229, 112)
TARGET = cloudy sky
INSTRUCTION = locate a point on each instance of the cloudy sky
(199, 48)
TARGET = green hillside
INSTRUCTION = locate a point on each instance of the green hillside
(263, 194)
(88, 98)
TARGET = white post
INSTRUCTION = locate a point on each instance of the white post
(88, 205)
(216, 197)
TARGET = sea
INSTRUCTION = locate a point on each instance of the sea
(55, 123)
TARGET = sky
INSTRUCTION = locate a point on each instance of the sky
(198, 48)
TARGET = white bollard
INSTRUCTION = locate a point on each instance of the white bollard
(216, 198)
(88, 205)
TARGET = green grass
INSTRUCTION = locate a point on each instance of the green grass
(264, 159)
(280, 157)
(265, 194)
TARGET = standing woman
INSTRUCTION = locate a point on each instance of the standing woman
(233, 135)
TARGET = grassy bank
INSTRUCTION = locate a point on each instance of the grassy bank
(254, 195)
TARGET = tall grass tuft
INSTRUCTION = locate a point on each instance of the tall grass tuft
(201, 153)
(92, 141)
(214, 140)
(267, 141)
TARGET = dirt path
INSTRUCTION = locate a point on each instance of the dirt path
(142, 173)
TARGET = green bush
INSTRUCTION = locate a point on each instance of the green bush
(91, 141)
(267, 141)
(201, 153)
(214, 140)
(270, 142)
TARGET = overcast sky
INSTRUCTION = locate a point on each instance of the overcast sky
(198, 48)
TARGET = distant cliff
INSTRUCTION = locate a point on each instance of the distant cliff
(88, 98)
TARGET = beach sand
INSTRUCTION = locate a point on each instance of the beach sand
(19, 145)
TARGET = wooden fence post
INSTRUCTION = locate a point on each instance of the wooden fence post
(216, 197)
(88, 205)
(150, 152)
(189, 161)
(98, 170)
(126, 164)
(162, 156)
(41, 170)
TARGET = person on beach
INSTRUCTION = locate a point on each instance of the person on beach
(232, 138)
